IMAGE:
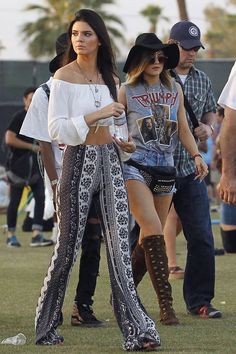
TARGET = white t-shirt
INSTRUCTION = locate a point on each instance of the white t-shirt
(228, 95)
(35, 124)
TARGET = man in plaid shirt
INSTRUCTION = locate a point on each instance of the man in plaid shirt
(191, 199)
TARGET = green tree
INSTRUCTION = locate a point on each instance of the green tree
(154, 15)
(220, 36)
(183, 14)
(55, 16)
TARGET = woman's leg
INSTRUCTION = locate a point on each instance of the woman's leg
(137, 328)
(150, 213)
(171, 231)
(74, 198)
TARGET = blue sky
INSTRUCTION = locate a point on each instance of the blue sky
(12, 17)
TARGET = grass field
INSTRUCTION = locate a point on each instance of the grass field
(22, 271)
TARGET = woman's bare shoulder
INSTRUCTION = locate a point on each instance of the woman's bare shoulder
(68, 73)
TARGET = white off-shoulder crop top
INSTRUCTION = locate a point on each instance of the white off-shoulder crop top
(68, 104)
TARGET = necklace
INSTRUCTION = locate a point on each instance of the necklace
(154, 96)
(97, 95)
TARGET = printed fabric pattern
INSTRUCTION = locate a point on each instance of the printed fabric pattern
(199, 92)
(94, 170)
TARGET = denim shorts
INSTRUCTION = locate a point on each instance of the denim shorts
(147, 158)
(228, 214)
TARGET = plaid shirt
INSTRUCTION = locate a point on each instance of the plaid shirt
(198, 90)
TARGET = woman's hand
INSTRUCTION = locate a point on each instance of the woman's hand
(113, 109)
(201, 168)
(127, 146)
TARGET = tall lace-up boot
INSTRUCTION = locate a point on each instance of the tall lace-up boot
(157, 266)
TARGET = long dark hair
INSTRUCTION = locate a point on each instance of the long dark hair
(105, 58)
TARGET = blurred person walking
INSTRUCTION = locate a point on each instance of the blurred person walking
(20, 159)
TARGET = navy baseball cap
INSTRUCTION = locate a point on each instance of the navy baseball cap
(187, 34)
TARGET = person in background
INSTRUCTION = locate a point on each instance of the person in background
(149, 91)
(83, 101)
(227, 186)
(35, 125)
(172, 229)
(216, 158)
(4, 191)
(18, 144)
(191, 199)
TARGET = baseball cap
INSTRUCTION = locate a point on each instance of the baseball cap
(187, 34)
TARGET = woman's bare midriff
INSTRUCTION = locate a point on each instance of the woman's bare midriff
(98, 136)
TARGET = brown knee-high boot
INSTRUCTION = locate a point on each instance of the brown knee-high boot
(138, 264)
(157, 266)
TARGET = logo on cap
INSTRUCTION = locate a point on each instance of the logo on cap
(193, 31)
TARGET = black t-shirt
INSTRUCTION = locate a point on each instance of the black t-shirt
(15, 127)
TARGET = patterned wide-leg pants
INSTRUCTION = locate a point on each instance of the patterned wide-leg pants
(94, 170)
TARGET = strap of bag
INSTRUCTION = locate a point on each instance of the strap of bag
(139, 166)
(46, 89)
(187, 105)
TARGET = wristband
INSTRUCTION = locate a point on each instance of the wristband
(54, 182)
(196, 155)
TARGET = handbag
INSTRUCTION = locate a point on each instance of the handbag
(160, 179)
(20, 171)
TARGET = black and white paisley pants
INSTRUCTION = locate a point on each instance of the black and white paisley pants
(94, 171)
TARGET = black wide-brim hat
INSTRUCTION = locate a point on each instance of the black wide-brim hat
(152, 42)
(61, 47)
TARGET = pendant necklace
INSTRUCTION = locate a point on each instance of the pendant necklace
(97, 95)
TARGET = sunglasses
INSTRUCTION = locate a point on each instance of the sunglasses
(161, 59)
(195, 49)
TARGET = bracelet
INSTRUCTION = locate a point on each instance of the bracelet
(196, 155)
(54, 182)
(33, 147)
(212, 128)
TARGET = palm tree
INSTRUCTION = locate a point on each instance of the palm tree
(153, 14)
(183, 14)
(220, 35)
(54, 18)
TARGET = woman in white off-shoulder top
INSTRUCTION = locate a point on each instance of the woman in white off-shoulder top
(82, 107)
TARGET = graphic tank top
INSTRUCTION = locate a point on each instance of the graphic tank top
(152, 116)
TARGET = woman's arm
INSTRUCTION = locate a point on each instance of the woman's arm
(73, 130)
